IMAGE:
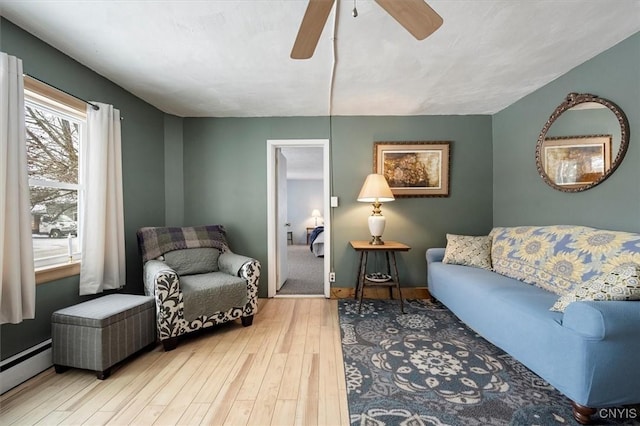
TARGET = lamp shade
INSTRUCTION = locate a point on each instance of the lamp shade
(315, 213)
(375, 188)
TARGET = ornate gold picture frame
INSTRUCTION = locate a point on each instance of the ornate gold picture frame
(414, 169)
(571, 161)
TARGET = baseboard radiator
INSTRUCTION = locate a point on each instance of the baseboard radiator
(25, 365)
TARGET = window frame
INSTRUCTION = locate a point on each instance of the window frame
(63, 104)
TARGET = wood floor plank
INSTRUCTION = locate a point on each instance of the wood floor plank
(138, 401)
(234, 366)
(129, 380)
(329, 412)
(286, 315)
(227, 335)
(20, 407)
(224, 399)
(267, 396)
(194, 414)
(239, 413)
(284, 369)
(300, 327)
(100, 418)
(91, 383)
(201, 358)
(258, 340)
(291, 377)
(22, 389)
(148, 415)
(53, 418)
(185, 395)
(76, 386)
(307, 403)
(312, 338)
(330, 372)
(284, 413)
(251, 385)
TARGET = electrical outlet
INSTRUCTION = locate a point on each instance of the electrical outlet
(332, 277)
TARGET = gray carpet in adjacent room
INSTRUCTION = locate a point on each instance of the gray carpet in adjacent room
(305, 272)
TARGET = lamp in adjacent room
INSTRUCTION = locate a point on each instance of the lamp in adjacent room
(315, 213)
(376, 191)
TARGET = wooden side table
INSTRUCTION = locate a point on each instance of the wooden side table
(309, 231)
(389, 249)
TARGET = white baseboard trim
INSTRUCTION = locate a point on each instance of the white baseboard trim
(25, 365)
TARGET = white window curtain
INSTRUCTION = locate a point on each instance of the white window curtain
(18, 287)
(102, 218)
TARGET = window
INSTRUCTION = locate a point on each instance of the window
(55, 129)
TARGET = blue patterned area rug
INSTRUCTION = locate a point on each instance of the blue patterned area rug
(427, 368)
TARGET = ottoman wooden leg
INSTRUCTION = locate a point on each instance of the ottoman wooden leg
(60, 368)
(101, 375)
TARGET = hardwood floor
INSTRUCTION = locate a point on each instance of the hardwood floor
(286, 369)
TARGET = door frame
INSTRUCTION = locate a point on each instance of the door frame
(272, 249)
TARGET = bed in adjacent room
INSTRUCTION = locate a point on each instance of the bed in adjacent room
(316, 241)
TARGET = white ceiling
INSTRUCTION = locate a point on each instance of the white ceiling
(303, 162)
(231, 58)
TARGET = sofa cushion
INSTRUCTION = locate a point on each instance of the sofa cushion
(468, 251)
(622, 283)
(560, 258)
(207, 294)
(193, 261)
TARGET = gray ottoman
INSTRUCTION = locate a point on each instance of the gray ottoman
(97, 334)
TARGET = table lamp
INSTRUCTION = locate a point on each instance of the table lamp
(315, 213)
(376, 191)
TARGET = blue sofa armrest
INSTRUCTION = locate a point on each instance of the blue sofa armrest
(604, 320)
(435, 255)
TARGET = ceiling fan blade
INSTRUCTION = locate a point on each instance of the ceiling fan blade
(415, 16)
(311, 27)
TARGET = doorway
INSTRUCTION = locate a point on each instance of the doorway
(292, 236)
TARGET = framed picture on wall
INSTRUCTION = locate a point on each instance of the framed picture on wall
(576, 160)
(414, 169)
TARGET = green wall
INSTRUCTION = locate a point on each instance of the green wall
(173, 171)
(520, 196)
(142, 168)
(226, 172)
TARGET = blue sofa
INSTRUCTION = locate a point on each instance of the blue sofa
(591, 351)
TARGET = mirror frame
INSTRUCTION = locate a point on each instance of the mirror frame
(570, 101)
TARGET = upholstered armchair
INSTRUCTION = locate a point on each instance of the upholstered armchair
(196, 280)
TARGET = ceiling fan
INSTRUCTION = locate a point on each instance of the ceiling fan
(415, 16)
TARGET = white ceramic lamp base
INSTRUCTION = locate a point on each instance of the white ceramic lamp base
(377, 223)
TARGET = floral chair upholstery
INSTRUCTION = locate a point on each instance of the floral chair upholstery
(196, 280)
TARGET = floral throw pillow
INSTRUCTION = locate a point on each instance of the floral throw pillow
(468, 251)
(622, 283)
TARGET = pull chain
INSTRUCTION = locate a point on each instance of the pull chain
(355, 11)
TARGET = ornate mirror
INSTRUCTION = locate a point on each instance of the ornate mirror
(582, 143)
